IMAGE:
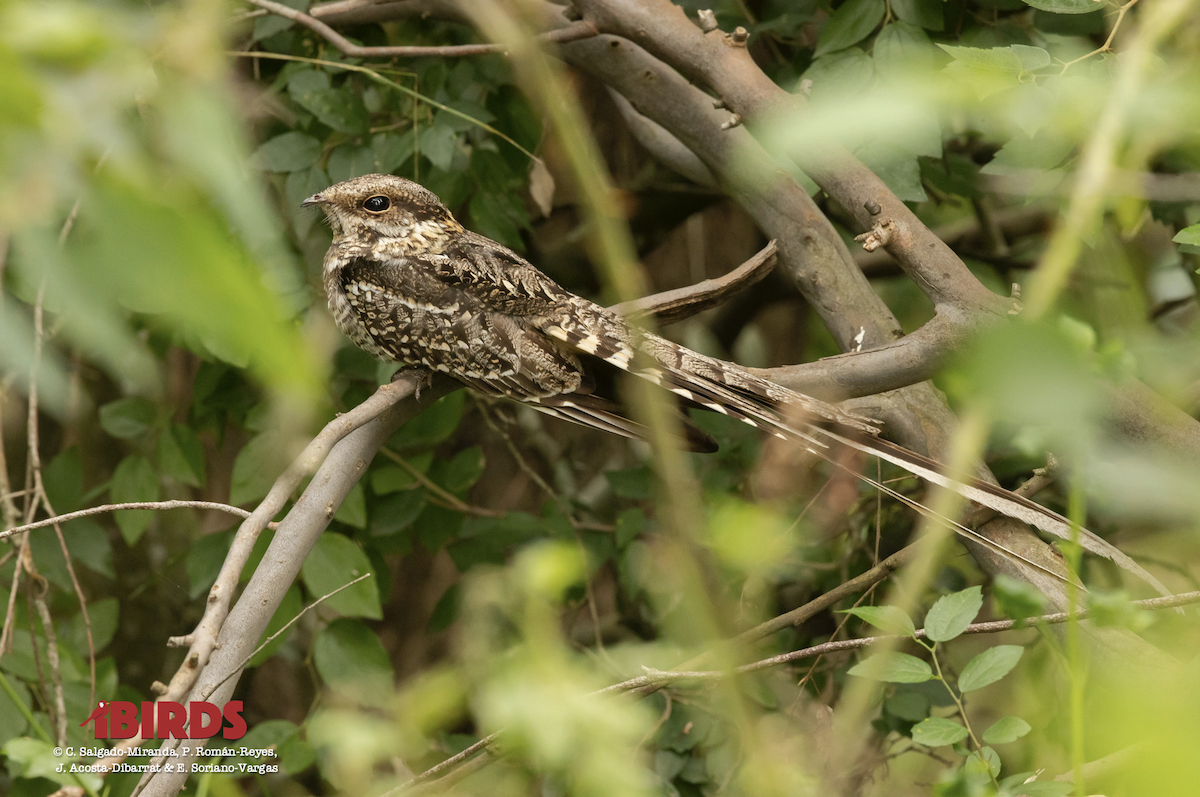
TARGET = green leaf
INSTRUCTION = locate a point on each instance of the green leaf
(461, 471)
(499, 215)
(255, 468)
(12, 719)
(928, 14)
(435, 423)
(393, 478)
(897, 166)
(134, 480)
(290, 152)
(342, 109)
(989, 666)
(289, 607)
(938, 732)
(1045, 151)
(437, 525)
(88, 543)
(1006, 730)
(951, 614)
(335, 561)
(1016, 599)
(204, 561)
(127, 418)
(296, 755)
(300, 185)
(181, 455)
(634, 483)
(350, 160)
(390, 150)
(353, 511)
(439, 143)
(33, 758)
(1188, 235)
(889, 619)
(351, 659)
(910, 706)
(840, 74)
(896, 668)
(396, 512)
(265, 735)
(1064, 6)
(63, 480)
(902, 49)
(446, 610)
(630, 524)
(988, 760)
(849, 25)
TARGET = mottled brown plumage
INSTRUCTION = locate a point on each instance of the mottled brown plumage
(408, 283)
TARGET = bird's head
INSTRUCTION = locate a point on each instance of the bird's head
(384, 206)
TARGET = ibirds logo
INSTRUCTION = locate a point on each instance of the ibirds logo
(120, 719)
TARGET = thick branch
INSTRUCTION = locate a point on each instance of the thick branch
(710, 59)
(662, 145)
(203, 640)
(298, 533)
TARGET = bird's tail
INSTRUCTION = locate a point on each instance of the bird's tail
(731, 390)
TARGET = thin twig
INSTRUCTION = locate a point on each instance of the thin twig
(155, 505)
(660, 678)
(573, 32)
(1107, 46)
(59, 715)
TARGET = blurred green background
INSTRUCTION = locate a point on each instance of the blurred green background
(160, 298)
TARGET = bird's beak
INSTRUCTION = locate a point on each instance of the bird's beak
(315, 199)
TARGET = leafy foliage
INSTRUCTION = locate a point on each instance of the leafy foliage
(517, 566)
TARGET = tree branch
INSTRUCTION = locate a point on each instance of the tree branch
(577, 30)
(156, 505)
(711, 59)
(675, 305)
(203, 640)
(348, 457)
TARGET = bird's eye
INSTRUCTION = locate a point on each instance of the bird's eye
(377, 204)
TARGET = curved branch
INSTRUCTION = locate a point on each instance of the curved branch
(573, 32)
(715, 60)
(203, 640)
(912, 359)
(243, 626)
(675, 305)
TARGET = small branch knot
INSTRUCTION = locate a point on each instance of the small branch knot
(180, 641)
(158, 688)
(739, 37)
(872, 207)
(879, 235)
(734, 121)
(718, 104)
(708, 20)
(805, 87)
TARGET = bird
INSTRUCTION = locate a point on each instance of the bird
(408, 283)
